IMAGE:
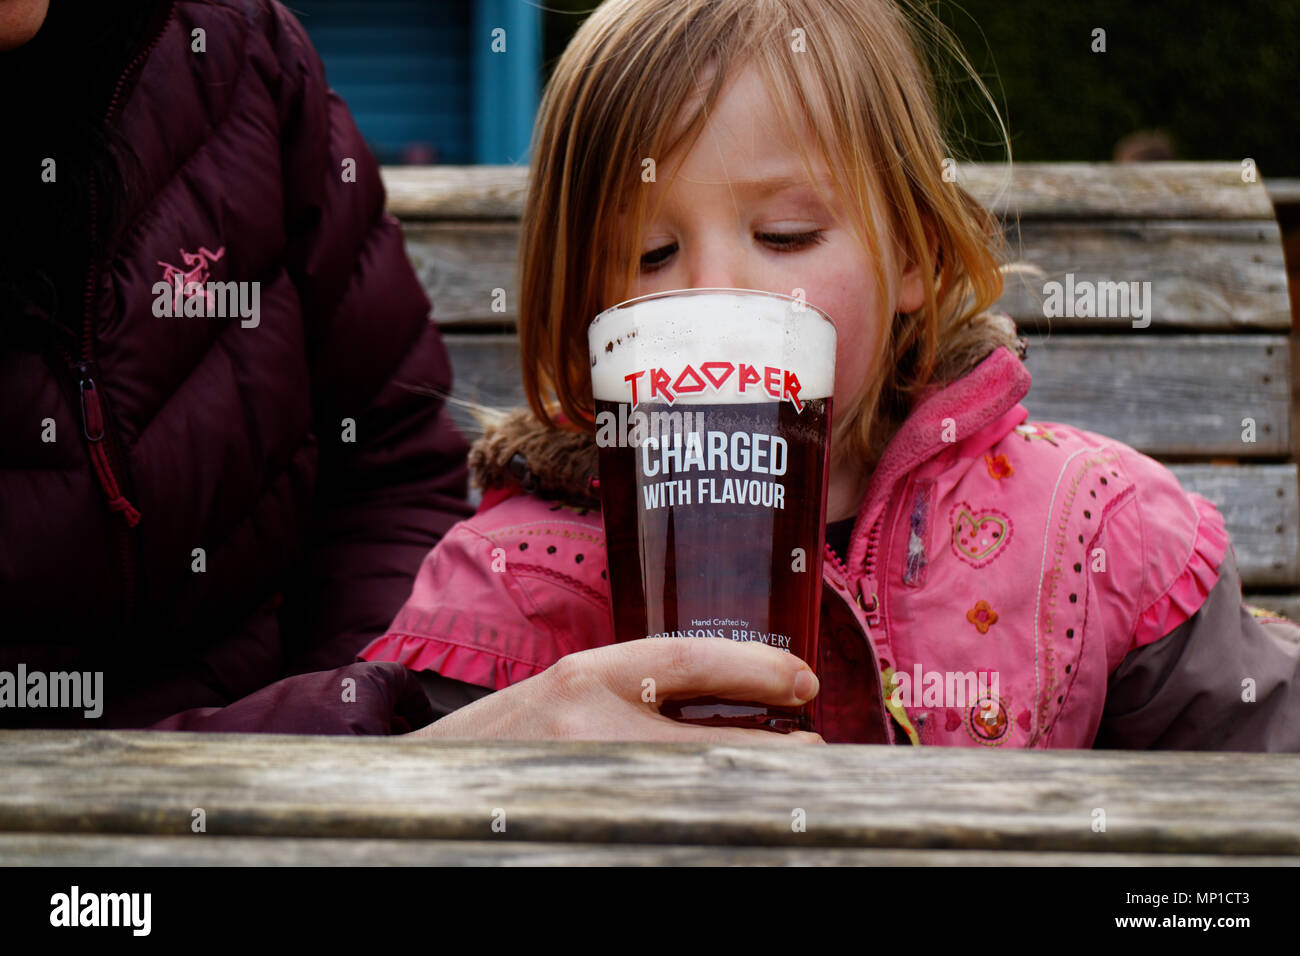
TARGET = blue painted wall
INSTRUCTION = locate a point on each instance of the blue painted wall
(422, 80)
(507, 45)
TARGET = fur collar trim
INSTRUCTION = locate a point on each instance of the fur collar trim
(548, 461)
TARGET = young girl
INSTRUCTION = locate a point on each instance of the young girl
(789, 145)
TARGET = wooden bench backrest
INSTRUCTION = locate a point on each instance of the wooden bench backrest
(1215, 357)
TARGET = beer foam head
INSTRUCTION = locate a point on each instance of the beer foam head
(693, 343)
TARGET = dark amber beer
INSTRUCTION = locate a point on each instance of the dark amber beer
(713, 413)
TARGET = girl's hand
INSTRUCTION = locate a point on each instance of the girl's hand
(596, 694)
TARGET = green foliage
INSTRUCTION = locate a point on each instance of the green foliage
(1222, 79)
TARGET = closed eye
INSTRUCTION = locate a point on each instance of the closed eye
(780, 241)
(793, 240)
(655, 257)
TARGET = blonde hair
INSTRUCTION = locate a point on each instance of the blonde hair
(629, 74)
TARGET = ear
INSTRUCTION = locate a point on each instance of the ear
(911, 287)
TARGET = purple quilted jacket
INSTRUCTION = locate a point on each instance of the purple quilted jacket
(203, 507)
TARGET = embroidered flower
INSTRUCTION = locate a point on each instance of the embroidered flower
(1028, 432)
(982, 616)
(999, 467)
(989, 721)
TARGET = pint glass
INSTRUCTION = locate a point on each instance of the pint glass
(713, 413)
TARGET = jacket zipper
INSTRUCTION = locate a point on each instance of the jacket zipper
(891, 718)
(870, 603)
(837, 561)
(94, 421)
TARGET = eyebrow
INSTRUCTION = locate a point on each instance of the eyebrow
(764, 186)
(773, 184)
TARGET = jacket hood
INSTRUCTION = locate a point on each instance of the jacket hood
(561, 463)
(549, 461)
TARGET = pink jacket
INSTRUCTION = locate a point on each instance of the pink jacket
(999, 573)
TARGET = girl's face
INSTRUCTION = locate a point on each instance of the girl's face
(739, 212)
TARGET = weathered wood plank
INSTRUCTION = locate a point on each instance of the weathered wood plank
(460, 264)
(485, 369)
(1294, 453)
(1174, 190)
(455, 192)
(59, 849)
(585, 792)
(1283, 192)
(1174, 396)
(1260, 509)
(1032, 190)
(1205, 276)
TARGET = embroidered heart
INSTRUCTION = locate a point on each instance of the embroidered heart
(952, 720)
(978, 537)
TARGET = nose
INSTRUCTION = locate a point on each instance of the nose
(717, 264)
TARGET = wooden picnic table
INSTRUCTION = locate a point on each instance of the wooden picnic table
(122, 798)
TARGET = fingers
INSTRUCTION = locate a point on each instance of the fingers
(688, 733)
(682, 667)
(804, 737)
(594, 696)
(633, 723)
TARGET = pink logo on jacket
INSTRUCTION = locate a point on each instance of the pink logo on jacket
(191, 279)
